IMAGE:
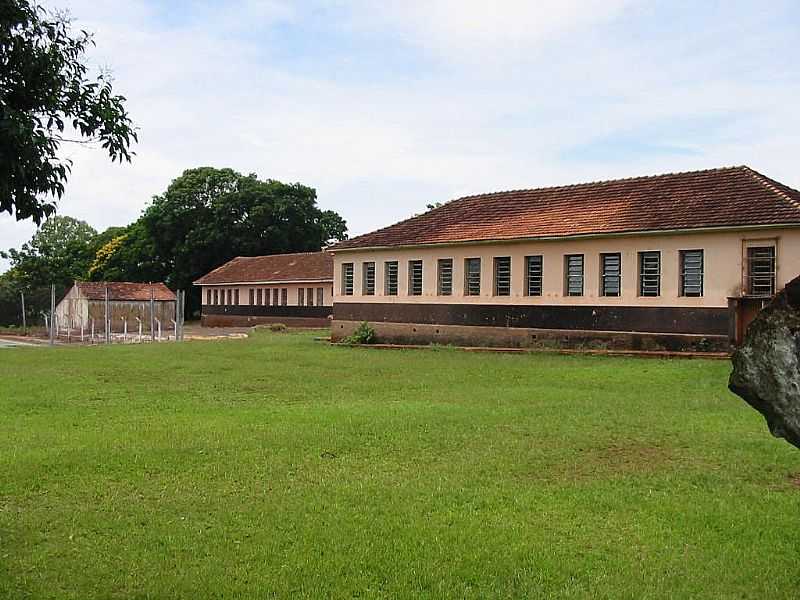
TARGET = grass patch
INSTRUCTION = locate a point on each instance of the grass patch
(278, 466)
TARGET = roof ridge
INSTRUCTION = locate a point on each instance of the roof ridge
(770, 185)
(601, 181)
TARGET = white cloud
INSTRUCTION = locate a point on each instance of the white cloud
(488, 100)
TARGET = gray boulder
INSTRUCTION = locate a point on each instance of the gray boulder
(766, 369)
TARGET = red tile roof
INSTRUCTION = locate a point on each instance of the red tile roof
(274, 268)
(124, 290)
(726, 197)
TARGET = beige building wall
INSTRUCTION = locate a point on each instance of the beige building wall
(724, 260)
(292, 293)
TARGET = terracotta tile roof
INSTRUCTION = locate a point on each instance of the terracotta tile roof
(726, 197)
(124, 290)
(277, 268)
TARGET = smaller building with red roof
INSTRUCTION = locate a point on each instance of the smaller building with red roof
(294, 289)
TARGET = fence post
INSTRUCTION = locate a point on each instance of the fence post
(24, 318)
(93, 331)
(158, 322)
(124, 330)
(183, 311)
(52, 311)
(153, 315)
(139, 322)
(107, 320)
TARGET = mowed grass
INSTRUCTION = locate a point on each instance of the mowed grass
(279, 466)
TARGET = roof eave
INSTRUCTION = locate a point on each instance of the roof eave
(270, 282)
(551, 238)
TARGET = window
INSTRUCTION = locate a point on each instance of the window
(692, 273)
(320, 296)
(472, 277)
(208, 296)
(253, 296)
(265, 298)
(415, 278)
(502, 276)
(367, 279)
(649, 274)
(230, 296)
(310, 296)
(573, 281)
(444, 277)
(761, 271)
(390, 278)
(275, 297)
(284, 296)
(347, 279)
(236, 296)
(301, 296)
(533, 275)
(611, 274)
(216, 296)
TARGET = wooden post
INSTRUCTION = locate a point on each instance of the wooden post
(52, 312)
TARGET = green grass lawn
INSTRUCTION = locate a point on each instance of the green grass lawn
(279, 466)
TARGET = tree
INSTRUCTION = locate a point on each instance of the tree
(125, 254)
(46, 96)
(59, 252)
(208, 216)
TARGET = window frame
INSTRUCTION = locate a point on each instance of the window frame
(642, 289)
(413, 265)
(772, 273)
(568, 276)
(301, 296)
(388, 273)
(474, 260)
(348, 279)
(320, 296)
(530, 277)
(440, 287)
(682, 287)
(606, 290)
(368, 278)
(497, 262)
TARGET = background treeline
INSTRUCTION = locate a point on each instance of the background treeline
(205, 217)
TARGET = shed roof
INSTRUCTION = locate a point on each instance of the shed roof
(714, 198)
(273, 268)
(124, 290)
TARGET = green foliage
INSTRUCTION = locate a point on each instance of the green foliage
(277, 328)
(208, 216)
(345, 472)
(46, 96)
(364, 334)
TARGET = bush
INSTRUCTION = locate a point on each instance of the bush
(364, 334)
(277, 327)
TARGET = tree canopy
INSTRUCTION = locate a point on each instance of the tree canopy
(204, 218)
(208, 216)
(47, 98)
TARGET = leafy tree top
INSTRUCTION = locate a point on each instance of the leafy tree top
(46, 95)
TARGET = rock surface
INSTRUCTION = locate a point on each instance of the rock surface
(766, 369)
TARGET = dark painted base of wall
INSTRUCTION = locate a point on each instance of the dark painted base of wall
(244, 321)
(520, 337)
(244, 316)
(673, 320)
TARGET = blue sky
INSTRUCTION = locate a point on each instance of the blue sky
(385, 107)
